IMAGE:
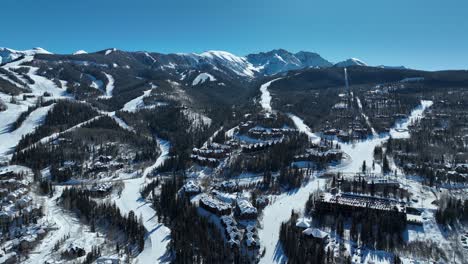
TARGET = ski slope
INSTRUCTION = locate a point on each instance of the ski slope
(9, 140)
(265, 99)
(279, 211)
(302, 127)
(131, 200)
(374, 133)
(109, 86)
(137, 103)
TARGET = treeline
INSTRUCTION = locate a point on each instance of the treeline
(362, 186)
(376, 229)
(62, 116)
(85, 142)
(451, 210)
(273, 158)
(194, 239)
(298, 247)
(19, 121)
(108, 215)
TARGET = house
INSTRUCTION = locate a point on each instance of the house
(316, 234)
(303, 223)
(101, 190)
(214, 205)
(251, 237)
(233, 234)
(191, 188)
(24, 202)
(204, 161)
(245, 210)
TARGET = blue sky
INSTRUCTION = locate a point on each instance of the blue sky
(426, 34)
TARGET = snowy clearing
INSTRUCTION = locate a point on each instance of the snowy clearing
(203, 77)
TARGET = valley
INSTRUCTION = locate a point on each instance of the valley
(275, 157)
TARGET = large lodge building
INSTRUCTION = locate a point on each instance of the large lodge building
(347, 203)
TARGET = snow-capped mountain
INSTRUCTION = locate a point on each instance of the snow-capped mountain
(78, 52)
(350, 62)
(392, 67)
(7, 55)
(280, 60)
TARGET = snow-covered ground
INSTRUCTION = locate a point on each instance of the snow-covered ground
(302, 127)
(203, 77)
(131, 200)
(280, 209)
(360, 151)
(63, 224)
(9, 140)
(197, 119)
(137, 103)
(109, 86)
(401, 129)
(265, 99)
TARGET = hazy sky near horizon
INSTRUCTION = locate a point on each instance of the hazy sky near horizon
(428, 34)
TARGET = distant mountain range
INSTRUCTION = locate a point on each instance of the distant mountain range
(252, 65)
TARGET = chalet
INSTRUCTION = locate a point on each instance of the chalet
(24, 202)
(316, 234)
(215, 150)
(251, 237)
(320, 156)
(203, 161)
(245, 126)
(254, 147)
(331, 132)
(233, 234)
(191, 188)
(101, 190)
(262, 201)
(104, 159)
(214, 205)
(229, 186)
(245, 210)
(303, 223)
(343, 135)
(270, 133)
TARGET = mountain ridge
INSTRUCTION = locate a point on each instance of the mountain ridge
(252, 65)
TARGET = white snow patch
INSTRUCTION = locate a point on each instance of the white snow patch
(137, 103)
(203, 77)
(78, 52)
(109, 86)
(109, 51)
